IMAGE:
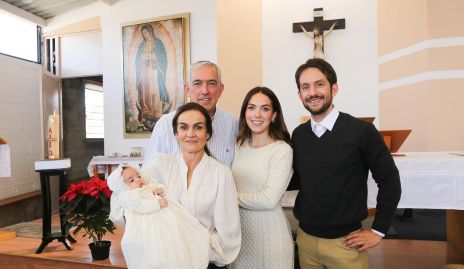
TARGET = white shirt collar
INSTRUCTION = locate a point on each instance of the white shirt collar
(327, 123)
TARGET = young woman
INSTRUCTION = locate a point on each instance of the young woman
(262, 169)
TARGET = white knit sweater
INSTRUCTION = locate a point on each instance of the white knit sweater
(261, 177)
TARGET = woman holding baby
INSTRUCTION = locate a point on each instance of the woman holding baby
(200, 184)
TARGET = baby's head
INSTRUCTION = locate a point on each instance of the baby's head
(125, 177)
(132, 178)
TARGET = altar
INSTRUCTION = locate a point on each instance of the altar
(432, 180)
(105, 164)
(429, 180)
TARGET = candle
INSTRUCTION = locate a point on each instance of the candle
(53, 135)
(5, 159)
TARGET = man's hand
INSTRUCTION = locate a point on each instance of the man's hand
(163, 202)
(363, 240)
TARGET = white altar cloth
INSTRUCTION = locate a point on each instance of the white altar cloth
(105, 162)
(432, 180)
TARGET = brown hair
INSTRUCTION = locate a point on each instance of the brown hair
(196, 107)
(322, 66)
(277, 128)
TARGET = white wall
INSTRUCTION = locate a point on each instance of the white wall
(75, 15)
(20, 123)
(81, 55)
(203, 45)
(352, 52)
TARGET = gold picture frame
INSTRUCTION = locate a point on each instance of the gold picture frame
(155, 60)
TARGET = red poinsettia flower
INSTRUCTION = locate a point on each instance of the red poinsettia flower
(74, 190)
(103, 185)
(91, 188)
(87, 205)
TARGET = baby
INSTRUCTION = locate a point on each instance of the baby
(158, 233)
(141, 196)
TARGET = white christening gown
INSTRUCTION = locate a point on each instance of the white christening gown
(166, 238)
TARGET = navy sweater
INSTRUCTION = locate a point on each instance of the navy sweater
(331, 173)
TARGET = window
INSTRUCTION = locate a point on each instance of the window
(51, 48)
(20, 38)
(94, 118)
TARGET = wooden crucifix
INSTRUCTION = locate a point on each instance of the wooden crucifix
(315, 29)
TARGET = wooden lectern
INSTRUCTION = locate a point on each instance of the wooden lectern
(368, 119)
(394, 139)
(46, 169)
(304, 119)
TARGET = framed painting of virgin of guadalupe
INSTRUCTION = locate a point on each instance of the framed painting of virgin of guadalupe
(155, 58)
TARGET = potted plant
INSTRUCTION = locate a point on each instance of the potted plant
(86, 207)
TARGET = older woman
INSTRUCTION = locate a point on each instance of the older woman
(200, 183)
(262, 169)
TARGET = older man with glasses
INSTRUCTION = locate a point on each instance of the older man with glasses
(205, 88)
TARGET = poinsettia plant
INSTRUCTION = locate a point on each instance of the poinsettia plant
(86, 206)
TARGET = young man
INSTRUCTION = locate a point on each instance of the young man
(333, 153)
(205, 88)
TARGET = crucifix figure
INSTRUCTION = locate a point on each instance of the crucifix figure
(315, 29)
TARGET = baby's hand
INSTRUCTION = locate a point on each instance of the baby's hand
(159, 191)
(163, 202)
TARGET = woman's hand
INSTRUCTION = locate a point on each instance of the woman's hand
(160, 191)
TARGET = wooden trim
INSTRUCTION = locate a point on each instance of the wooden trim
(84, 26)
(455, 229)
(371, 211)
(2, 141)
(18, 198)
(305, 118)
(8, 261)
(5, 235)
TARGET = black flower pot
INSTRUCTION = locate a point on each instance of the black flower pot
(100, 250)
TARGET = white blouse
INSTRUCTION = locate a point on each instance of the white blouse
(211, 198)
(221, 144)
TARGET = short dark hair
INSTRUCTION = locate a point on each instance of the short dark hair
(277, 128)
(195, 107)
(320, 64)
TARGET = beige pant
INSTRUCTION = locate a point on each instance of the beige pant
(318, 253)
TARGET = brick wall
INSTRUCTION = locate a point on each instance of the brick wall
(20, 123)
(75, 145)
